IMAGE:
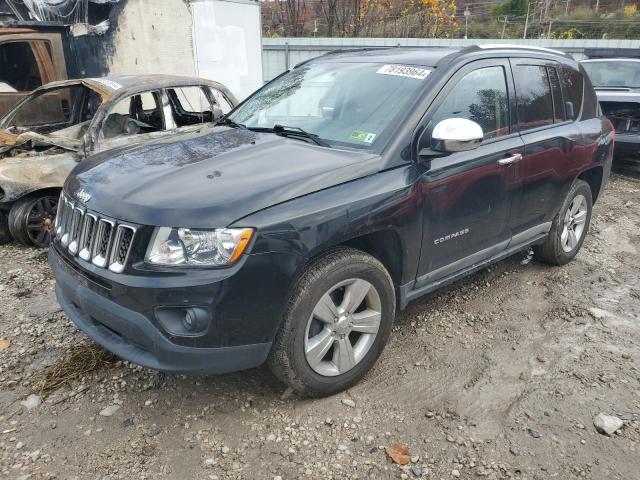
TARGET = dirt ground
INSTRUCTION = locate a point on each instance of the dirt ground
(497, 376)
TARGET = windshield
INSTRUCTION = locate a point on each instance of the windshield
(613, 73)
(352, 104)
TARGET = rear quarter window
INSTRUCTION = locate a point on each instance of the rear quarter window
(590, 107)
(572, 88)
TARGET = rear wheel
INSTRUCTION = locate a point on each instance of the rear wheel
(337, 324)
(31, 219)
(569, 228)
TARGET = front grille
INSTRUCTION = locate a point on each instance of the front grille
(102, 241)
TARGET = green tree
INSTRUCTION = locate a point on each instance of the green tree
(512, 8)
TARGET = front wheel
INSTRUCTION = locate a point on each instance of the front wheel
(337, 324)
(569, 228)
(32, 218)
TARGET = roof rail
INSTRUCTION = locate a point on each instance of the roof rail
(343, 50)
(490, 46)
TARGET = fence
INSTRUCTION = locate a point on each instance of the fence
(280, 54)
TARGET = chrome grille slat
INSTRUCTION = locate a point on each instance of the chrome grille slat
(102, 241)
(122, 246)
(86, 236)
(74, 231)
(66, 225)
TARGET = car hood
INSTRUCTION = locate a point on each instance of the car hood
(210, 178)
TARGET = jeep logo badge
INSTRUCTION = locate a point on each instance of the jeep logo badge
(83, 195)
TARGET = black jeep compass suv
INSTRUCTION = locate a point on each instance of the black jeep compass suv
(292, 231)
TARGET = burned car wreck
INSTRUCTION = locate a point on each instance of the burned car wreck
(46, 134)
(617, 84)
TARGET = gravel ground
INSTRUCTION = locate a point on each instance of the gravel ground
(497, 376)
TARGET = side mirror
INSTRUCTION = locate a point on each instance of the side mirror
(456, 135)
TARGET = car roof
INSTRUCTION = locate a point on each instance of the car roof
(109, 86)
(424, 56)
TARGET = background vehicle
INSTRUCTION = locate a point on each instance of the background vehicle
(339, 192)
(212, 39)
(617, 84)
(60, 124)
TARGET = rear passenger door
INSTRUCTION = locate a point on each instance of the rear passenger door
(550, 139)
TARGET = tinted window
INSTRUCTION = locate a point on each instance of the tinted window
(572, 87)
(535, 103)
(558, 104)
(480, 96)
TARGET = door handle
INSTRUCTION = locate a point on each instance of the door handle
(509, 160)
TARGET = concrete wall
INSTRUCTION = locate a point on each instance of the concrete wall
(278, 54)
(153, 36)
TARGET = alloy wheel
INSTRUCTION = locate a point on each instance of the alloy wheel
(574, 222)
(41, 219)
(342, 327)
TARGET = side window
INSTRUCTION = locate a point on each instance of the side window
(533, 93)
(573, 88)
(189, 105)
(141, 113)
(556, 93)
(221, 101)
(25, 66)
(481, 96)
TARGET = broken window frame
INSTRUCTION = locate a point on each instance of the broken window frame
(115, 101)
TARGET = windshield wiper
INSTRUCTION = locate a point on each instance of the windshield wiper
(230, 123)
(299, 132)
(285, 131)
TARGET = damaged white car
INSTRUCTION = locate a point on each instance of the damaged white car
(46, 134)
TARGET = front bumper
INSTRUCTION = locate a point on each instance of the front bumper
(132, 336)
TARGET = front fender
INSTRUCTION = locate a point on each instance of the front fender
(309, 225)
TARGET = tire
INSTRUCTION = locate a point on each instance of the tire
(5, 234)
(31, 220)
(556, 250)
(346, 274)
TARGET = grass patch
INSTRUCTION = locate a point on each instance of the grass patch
(78, 362)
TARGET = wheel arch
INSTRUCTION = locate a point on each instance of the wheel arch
(593, 177)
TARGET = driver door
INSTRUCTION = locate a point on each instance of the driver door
(468, 195)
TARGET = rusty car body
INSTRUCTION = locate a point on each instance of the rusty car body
(47, 133)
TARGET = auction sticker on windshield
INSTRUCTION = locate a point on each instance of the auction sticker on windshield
(360, 136)
(404, 71)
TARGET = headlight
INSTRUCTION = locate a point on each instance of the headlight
(185, 246)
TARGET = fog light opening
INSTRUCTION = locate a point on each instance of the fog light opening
(189, 320)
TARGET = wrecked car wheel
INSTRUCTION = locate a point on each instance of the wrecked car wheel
(5, 234)
(31, 220)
